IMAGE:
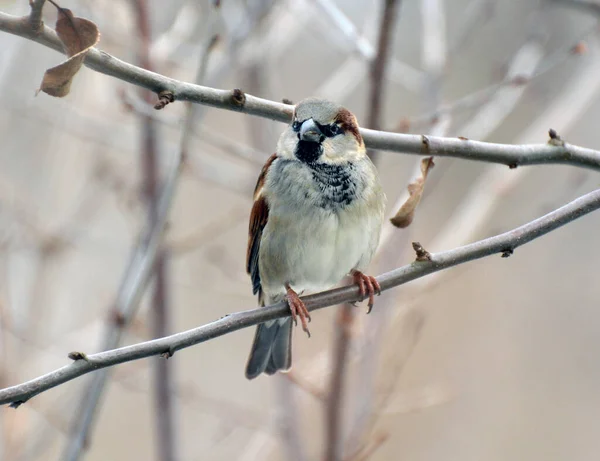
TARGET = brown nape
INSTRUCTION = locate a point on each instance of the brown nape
(348, 123)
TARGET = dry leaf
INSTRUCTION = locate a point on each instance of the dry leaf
(406, 213)
(78, 35)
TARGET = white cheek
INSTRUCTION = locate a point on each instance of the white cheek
(338, 147)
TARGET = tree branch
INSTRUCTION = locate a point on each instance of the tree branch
(504, 243)
(511, 155)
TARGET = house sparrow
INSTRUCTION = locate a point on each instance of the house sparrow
(317, 216)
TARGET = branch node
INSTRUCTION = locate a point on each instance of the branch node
(168, 353)
(36, 22)
(164, 97)
(422, 253)
(462, 138)
(555, 139)
(17, 403)
(507, 252)
(287, 101)
(75, 355)
(513, 165)
(238, 98)
(425, 143)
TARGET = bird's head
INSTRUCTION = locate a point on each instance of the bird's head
(321, 132)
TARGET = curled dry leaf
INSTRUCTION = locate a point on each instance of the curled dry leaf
(406, 213)
(78, 35)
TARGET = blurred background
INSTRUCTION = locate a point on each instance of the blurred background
(493, 360)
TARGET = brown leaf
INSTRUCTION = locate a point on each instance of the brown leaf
(406, 213)
(78, 35)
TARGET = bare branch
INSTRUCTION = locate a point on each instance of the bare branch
(531, 154)
(510, 155)
(502, 243)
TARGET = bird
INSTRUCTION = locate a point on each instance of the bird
(316, 218)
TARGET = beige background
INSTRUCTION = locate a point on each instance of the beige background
(506, 364)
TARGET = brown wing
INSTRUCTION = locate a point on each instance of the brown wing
(258, 220)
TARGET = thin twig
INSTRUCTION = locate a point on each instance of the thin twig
(512, 155)
(503, 243)
(389, 15)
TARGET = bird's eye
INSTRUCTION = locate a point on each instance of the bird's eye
(296, 125)
(335, 129)
(331, 130)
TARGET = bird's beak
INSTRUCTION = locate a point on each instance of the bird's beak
(309, 131)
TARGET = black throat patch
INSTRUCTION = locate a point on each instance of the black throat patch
(308, 152)
(338, 183)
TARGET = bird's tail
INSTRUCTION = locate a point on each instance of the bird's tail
(271, 349)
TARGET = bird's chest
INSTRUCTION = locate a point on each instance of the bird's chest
(333, 188)
(314, 235)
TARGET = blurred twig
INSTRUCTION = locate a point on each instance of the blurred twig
(379, 65)
(505, 244)
(164, 402)
(334, 445)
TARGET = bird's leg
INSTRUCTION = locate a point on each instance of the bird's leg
(367, 286)
(297, 308)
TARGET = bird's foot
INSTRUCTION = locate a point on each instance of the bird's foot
(368, 286)
(298, 309)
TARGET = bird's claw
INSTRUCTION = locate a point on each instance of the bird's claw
(298, 309)
(368, 286)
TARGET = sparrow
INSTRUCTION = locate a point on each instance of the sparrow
(316, 218)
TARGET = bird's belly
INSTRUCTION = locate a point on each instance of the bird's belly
(311, 252)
